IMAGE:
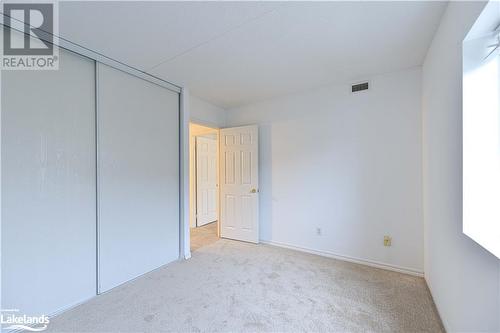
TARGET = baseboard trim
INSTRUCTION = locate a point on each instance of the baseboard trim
(70, 306)
(366, 262)
(52, 315)
(55, 313)
(87, 299)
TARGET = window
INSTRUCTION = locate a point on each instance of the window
(481, 130)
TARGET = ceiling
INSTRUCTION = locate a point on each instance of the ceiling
(235, 53)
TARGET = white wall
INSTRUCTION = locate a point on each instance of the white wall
(464, 278)
(205, 113)
(349, 164)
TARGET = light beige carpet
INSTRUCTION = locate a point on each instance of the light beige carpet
(204, 235)
(231, 286)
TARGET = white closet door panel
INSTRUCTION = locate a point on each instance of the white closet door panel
(138, 144)
(48, 186)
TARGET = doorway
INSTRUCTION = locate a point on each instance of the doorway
(203, 185)
(229, 206)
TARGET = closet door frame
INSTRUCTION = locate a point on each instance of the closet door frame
(98, 57)
(183, 116)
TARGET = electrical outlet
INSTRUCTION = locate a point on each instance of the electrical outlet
(318, 231)
(387, 241)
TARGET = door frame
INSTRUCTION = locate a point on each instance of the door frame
(192, 170)
(185, 121)
(186, 189)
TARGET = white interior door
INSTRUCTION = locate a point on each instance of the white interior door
(206, 180)
(239, 183)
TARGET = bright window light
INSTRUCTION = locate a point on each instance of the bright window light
(481, 132)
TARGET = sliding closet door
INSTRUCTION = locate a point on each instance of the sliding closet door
(48, 186)
(138, 177)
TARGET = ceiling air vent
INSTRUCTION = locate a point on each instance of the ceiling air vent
(359, 87)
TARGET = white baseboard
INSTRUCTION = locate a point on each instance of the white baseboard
(70, 306)
(55, 313)
(366, 262)
(85, 300)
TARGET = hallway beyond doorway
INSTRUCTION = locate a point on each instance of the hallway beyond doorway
(203, 236)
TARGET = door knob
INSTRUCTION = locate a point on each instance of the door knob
(253, 191)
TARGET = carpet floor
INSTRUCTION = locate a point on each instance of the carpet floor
(231, 286)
